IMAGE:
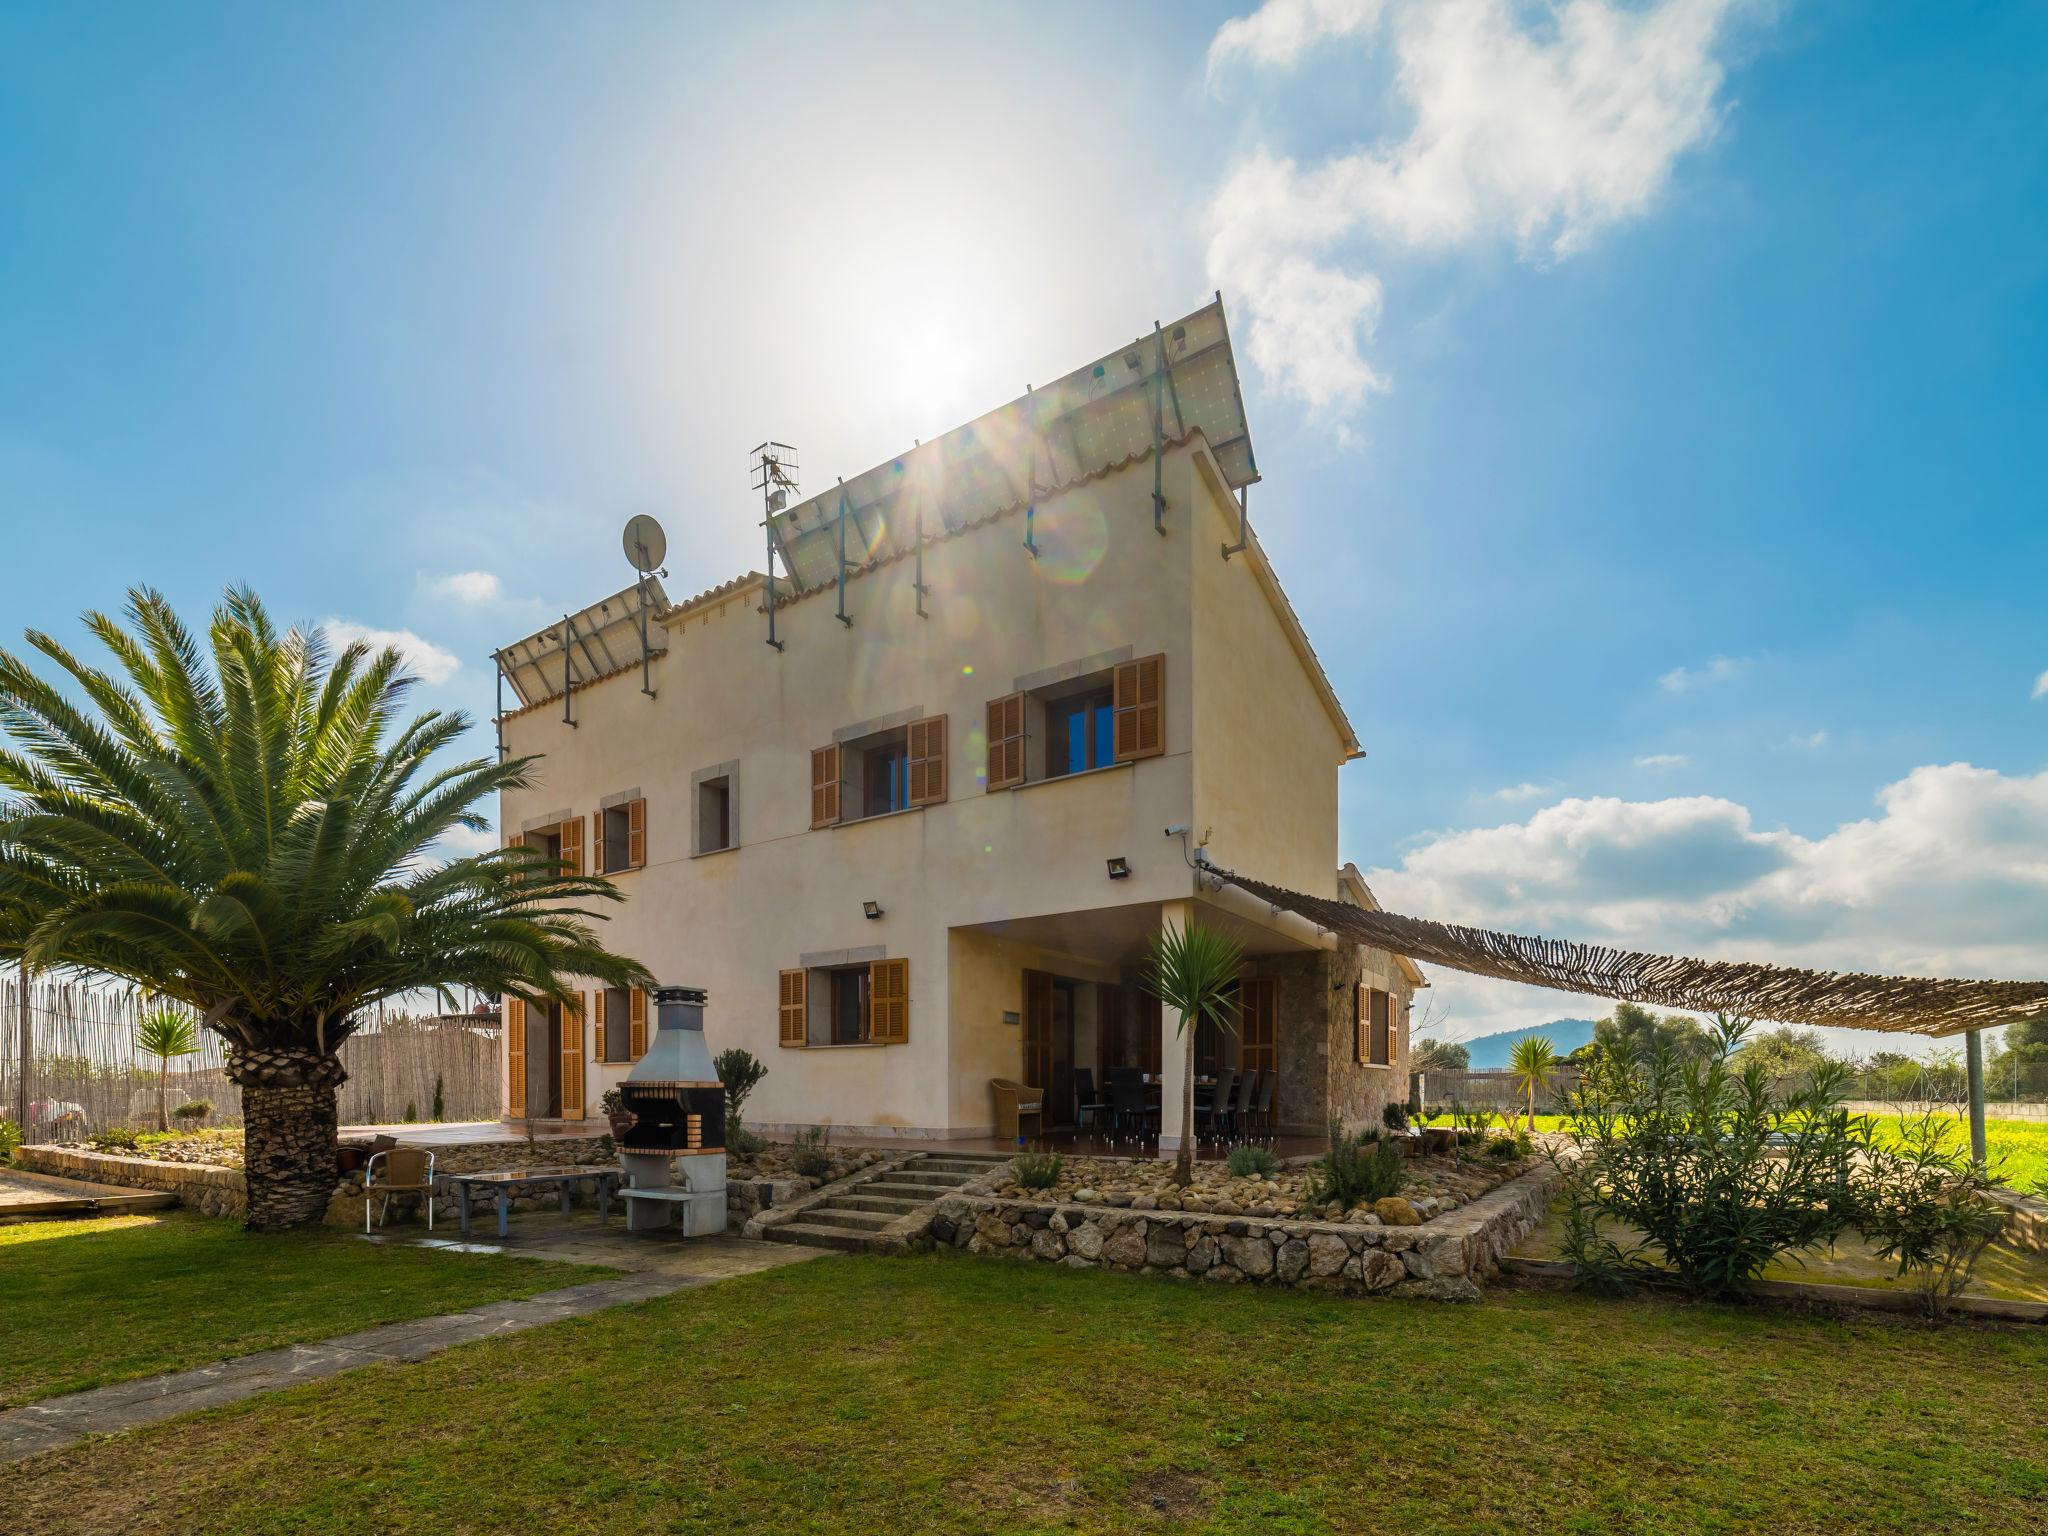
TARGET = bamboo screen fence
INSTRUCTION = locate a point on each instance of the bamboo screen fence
(1918, 1005)
(85, 1073)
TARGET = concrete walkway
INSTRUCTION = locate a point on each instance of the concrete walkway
(657, 1267)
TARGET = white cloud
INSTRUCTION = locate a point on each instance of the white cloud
(1662, 760)
(465, 842)
(430, 662)
(1514, 794)
(1541, 129)
(1281, 31)
(471, 587)
(1950, 878)
(2041, 686)
(1718, 670)
(1811, 742)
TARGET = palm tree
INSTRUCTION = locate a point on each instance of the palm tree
(1193, 970)
(164, 1033)
(1531, 1061)
(244, 829)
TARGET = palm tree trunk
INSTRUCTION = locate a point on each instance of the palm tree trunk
(163, 1093)
(1184, 1162)
(291, 1125)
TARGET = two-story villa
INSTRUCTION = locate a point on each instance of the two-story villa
(912, 815)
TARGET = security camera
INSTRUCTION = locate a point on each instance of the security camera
(1176, 831)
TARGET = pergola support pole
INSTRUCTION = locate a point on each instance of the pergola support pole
(27, 1055)
(1973, 1057)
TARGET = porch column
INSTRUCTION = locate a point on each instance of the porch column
(1172, 1073)
(1973, 1051)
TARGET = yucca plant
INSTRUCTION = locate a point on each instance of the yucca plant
(1532, 1061)
(165, 1033)
(243, 827)
(1193, 970)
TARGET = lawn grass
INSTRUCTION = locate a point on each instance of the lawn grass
(949, 1394)
(116, 1297)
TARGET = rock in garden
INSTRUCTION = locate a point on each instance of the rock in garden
(1085, 1196)
(1046, 1245)
(1291, 1262)
(1124, 1246)
(1165, 1246)
(1380, 1271)
(1396, 1212)
(1252, 1255)
(1326, 1253)
(1085, 1241)
(1145, 1202)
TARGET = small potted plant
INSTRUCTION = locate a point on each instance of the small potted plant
(613, 1103)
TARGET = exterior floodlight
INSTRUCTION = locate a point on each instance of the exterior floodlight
(872, 908)
(1119, 868)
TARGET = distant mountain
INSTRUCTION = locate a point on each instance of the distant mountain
(1491, 1052)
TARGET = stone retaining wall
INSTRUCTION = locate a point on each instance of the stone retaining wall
(213, 1191)
(2026, 1221)
(1443, 1260)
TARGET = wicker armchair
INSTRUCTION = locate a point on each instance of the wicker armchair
(1016, 1103)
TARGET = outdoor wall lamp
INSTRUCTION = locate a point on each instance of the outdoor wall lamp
(872, 909)
(1119, 868)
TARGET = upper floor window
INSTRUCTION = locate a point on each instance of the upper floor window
(1114, 716)
(618, 837)
(890, 770)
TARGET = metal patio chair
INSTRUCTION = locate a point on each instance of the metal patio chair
(398, 1171)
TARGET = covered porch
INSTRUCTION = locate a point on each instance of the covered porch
(1056, 1005)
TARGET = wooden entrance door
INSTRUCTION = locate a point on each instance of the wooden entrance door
(1038, 988)
(1059, 1098)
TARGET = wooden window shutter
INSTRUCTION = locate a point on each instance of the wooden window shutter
(573, 1015)
(636, 834)
(889, 1002)
(572, 845)
(636, 1031)
(1006, 741)
(1361, 1024)
(597, 1019)
(927, 752)
(1382, 1010)
(1139, 701)
(596, 842)
(515, 1059)
(825, 786)
(792, 1008)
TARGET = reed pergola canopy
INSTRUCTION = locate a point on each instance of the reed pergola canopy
(1920, 1005)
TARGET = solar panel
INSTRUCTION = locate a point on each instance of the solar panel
(1091, 420)
(604, 638)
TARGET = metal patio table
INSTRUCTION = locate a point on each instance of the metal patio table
(503, 1183)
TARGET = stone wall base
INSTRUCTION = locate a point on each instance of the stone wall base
(1441, 1260)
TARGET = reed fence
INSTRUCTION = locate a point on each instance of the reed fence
(80, 1071)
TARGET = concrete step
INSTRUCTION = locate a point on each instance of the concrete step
(834, 1216)
(923, 1194)
(935, 1180)
(846, 1239)
(896, 1205)
(952, 1168)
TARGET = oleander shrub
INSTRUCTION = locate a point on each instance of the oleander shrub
(10, 1138)
(1926, 1205)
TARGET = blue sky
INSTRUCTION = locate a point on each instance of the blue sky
(1649, 396)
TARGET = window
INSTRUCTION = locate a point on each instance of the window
(1079, 733)
(891, 770)
(1373, 1029)
(886, 775)
(614, 1024)
(1116, 715)
(848, 990)
(714, 814)
(618, 838)
(561, 841)
(856, 1005)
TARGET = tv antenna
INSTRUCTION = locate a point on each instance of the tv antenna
(646, 547)
(773, 469)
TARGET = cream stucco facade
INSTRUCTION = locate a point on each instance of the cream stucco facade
(980, 888)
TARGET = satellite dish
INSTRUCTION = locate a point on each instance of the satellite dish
(646, 544)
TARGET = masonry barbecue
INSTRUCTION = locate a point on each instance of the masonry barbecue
(678, 1109)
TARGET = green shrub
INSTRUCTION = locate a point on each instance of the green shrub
(741, 1142)
(412, 1113)
(440, 1099)
(198, 1109)
(1502, 1148)
(115, 1138)
(1351, 1176)
(1252, 1163)
(740, 1072)
(10, 1138)
(1692, 1149)
(1926, 1205)
(811, 1153)
(1395, 1116)
(1037, 1170)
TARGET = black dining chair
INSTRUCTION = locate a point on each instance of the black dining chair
(1129, 1109)
(1218, 1111)
(1088, 1109)
(1241, 1112)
